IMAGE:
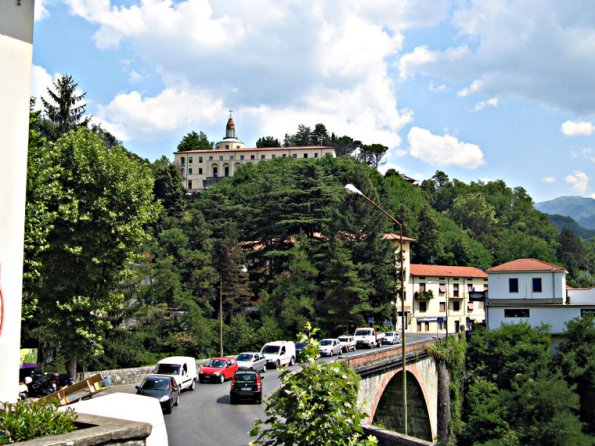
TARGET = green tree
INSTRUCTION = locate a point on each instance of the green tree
(429, 247)
(577, 361)
(267, 141)
(345, 145)
(291, 303)
(65, 108)
(346, 295)
(320, 136)
(511, 351)
(168, 186)
(570, 250)
(100, 203)
(371, 154)
(474, 213)
(195, 141)
(316, 406)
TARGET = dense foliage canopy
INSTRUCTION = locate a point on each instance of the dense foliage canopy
(115, 239)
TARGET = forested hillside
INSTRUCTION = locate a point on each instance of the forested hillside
(122, 267)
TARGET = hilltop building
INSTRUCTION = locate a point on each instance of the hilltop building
(201, 169)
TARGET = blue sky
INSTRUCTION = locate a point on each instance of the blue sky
(482, 90)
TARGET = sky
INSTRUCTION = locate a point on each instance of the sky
(480, 89)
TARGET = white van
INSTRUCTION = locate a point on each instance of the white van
(279, 353)
(182, 368)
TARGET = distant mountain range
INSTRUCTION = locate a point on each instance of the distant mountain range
(579, 209)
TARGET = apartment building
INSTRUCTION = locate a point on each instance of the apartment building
(446, 299)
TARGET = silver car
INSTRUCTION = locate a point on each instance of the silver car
(252, 361)
(391, 337)
(330, 347)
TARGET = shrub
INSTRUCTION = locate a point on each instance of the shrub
(28, 420)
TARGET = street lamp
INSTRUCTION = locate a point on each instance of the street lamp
(352, 190)
(242, 269)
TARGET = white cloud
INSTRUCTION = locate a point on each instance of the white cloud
(134, 77)
(576, 128)
(40, 11)
(443, 150)
(132, 116)
(301, 62)
(40, 81)
(383, 168)
(579, 181)
(438, 88)
(549, 180)
(421, 55)
(474, 87)
(536, 49)
(492, 102)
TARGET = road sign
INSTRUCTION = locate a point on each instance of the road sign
(370, 320)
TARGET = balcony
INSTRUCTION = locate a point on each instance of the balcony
(423, 294)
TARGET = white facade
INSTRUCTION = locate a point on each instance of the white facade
(532, 291)
(553, 315)
(553, 285)
(16, 51)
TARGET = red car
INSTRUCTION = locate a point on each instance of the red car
(218, 369)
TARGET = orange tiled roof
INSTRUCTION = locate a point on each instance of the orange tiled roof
(446, 271)
(525, 265)
(391, 236)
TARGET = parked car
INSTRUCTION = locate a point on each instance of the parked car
(367, 337)
(347, 343)
(391, 337)
(279, 353)
(163, 387)
(300, 347)
(182, 368)
(330, 347)
(218, 369)
(252, 361)
(246, 384)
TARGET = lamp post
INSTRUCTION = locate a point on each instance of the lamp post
(242, 269)
(352, 190)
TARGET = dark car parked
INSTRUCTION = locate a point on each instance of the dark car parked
(164, 388)
(246, 384)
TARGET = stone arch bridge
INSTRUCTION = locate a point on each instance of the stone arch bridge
(381, 389)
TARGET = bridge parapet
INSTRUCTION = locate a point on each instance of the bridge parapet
(377, 361)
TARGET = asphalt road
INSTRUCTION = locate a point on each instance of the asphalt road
(206, 416)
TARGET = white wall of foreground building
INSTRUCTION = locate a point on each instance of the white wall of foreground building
(555, 316)
(581, 296)
(16, 51)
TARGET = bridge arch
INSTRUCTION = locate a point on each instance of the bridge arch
(387, 410)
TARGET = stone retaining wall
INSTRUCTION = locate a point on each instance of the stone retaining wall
(98, 431)
(128, 376)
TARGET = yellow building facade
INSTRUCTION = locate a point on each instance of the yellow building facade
(201, 169)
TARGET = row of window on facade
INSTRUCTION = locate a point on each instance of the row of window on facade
(242, 157)
(422, 306)
(513, 285)
(440, 325)
(455, 288)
